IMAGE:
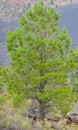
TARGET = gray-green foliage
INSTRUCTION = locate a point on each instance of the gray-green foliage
(41, 60)
(74, 81)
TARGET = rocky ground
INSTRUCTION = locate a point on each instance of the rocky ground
(12, 9)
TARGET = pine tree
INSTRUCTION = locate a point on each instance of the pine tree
(41, 61)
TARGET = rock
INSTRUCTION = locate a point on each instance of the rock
(33, 116)
(53, 119)
(73, 114)
(72, 117)
(3, 128)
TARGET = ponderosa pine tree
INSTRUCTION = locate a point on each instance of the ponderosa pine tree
(41, 61)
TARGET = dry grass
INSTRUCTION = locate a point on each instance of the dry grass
(15, 117)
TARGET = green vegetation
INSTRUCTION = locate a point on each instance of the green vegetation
(42, 61)
(74, 81)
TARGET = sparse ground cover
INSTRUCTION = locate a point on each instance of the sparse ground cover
(17, 119)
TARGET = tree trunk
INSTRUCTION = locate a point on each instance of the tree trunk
(42, 110)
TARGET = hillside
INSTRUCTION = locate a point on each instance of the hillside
(12, 9)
